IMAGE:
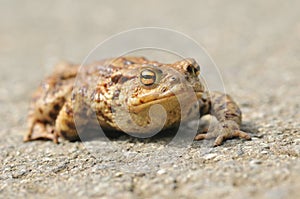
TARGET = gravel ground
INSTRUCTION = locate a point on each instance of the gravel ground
(256, 46)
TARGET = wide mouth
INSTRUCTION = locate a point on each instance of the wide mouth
(162, 99)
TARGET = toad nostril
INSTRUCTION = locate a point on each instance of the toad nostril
(163, 89)
(173, 79)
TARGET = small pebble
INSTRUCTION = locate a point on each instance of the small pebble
(161, 171)
(255, 162)
(297, 141)
(240, 151)
(19, 173)
(119, 174)
(210, 156)
(265, 146)
(264, 152)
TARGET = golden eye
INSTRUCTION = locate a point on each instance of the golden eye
(148, 77)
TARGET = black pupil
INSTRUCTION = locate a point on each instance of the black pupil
(148, 77)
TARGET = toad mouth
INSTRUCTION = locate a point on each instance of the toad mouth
(136, 108)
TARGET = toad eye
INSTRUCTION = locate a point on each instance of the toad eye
(148, 77)
(193, 69)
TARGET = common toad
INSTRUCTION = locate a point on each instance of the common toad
(131, 83)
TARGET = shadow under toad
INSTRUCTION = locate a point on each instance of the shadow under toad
(165, 137)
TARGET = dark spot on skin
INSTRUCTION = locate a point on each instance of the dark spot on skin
(70, 125)
(69, 111)
(64, 134)
(116, 94)
(53, 114)
(203, 110)
(103, 116)
(41, 111)
(230, 115)
(56, 107)
(115, 78)
(73, 96)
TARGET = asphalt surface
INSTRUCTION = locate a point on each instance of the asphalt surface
(256, 47)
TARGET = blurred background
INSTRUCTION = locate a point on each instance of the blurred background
(34, 35)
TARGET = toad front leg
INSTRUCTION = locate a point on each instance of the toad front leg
(229, 116)
(64, 124)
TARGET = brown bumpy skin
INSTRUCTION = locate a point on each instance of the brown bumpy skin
(116, 90)
(229, 117)
(48, 101)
